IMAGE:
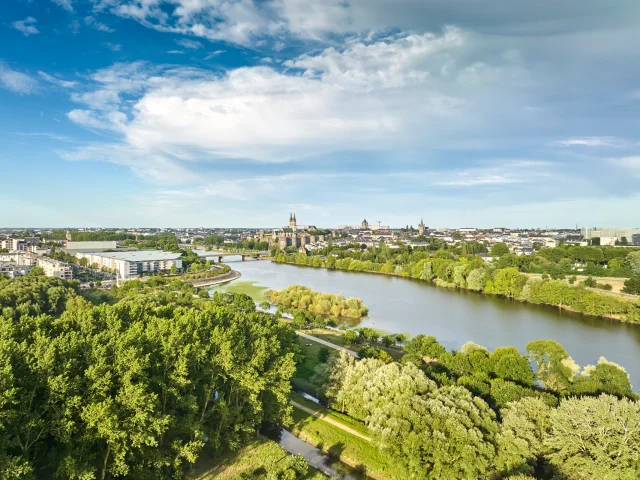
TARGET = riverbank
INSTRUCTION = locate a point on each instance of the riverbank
(508, 283)
(207, 282)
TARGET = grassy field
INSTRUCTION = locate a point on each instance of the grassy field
(306, 368)
(346, 420)
(98, 296)
(252, 289)
(255, 458)
(360, 454)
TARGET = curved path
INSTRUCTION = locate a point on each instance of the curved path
(333, 422)
(206, 282)
(328, 344)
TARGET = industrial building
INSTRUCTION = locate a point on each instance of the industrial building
(133, 264)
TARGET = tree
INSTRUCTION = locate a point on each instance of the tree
(632, 285)
(595, 437)
(447, 433)
(499, 249)
(351, 337)
(323, 355)
(422, 348)
(476, 279)
(508, 282)
(525, 425)
(633, 259)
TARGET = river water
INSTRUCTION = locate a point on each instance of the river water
(454, 317)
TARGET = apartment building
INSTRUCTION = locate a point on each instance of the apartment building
(55, 268)
(133, 264)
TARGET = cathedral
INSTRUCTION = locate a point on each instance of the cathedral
(293, 235)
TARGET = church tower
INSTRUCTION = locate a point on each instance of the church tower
(292, 221)
(421, 227)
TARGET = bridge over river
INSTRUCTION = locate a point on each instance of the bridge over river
(220, 256)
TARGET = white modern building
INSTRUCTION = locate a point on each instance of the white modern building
(18, 263)
(55, 268)
(133, 264)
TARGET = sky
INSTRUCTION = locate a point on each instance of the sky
(231, 113)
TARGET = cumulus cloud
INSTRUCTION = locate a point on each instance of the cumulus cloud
(26, 26)
(66, 4)
(16, 81)
(386, 93)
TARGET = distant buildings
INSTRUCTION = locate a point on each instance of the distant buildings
(16, 264)
(72, 247)
(55, 268)
(294, 235)
(133, 264)
(609, 236)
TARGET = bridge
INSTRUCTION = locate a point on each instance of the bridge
(254, 255)
(221, 255)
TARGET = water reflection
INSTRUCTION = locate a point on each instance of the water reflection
(454, 317)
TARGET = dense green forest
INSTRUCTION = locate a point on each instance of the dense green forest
(142, 387)
(470, 272)
(138, 389)
(478, 414)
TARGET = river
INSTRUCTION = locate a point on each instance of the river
(454, 317)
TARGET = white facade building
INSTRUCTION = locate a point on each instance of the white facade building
(133, 264)
(55, 268)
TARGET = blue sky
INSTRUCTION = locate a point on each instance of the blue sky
(236, 112)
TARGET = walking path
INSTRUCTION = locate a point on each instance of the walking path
(205, 282)
(328, 344)
(333, 422)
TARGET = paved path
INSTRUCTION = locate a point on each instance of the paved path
(206, 282)
(330, 420)
(328, 344)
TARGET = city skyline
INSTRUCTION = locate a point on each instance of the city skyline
(227, 114)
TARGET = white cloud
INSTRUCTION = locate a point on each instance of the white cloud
(190, 44)
(26, 26)
(57, 81)
(114, 47)
(16, 81)
(175, 52)
(630, 163)
(66, 4)
(383, 94)
(214, 54)
(589, 142)
(92, 22)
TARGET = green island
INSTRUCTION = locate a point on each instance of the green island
(522, 278)
(303, 298)
(160, 379)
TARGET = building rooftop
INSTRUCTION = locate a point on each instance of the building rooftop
(139, 256)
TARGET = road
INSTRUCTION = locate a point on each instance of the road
(328, 344)
(333, 422)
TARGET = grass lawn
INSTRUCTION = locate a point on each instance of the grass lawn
(360, 454)
(98, 296)
(346, 420)
(256, 457)
(252, 289)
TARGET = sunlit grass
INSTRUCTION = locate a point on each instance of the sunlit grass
(250, 288)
